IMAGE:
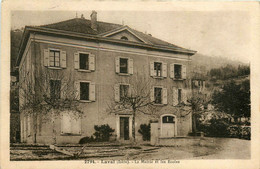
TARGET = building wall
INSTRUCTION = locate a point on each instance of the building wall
(104, 76)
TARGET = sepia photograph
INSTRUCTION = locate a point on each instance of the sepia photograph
(130, 86)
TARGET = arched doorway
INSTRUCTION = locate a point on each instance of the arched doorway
(168, 125)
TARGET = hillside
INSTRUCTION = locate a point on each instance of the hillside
(202, 64)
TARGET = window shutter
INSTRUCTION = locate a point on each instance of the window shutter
(92, 89)
(46, 57)
(91, 62)
(152, 69)
(164, 99)
(117, 92)
(77, 90)
(175, 96)
(131, 66)
(76, 124)
(63, 59)
(66, 123)
(183, 72)
(184, 96)
(24, 127)
(117, 64)
(172, 70)
(164, 69)
(131, 91)
(29, 125)
(152, 94)
(76, 60)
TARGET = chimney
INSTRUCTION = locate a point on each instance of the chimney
(93, 17)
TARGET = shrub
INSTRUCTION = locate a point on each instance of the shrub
(145, 130)
(85, 140)
(217, 128)
(243, 132)
(103, 132)
(246, 132)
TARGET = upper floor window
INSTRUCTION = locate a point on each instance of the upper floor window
(55, 89)
(124, 89)
(158, 95)
(158, 69)
(177, 71)
(179, 95)
(84, 91)
(123, 65)
(55, 58)
(124, 38)
(84, 61)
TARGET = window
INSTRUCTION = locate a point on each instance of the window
(54, 58)
(177, 71)
(70, 123)
(124, 38)
(124, 89)
(84, 61)
(84, 91)
(55, 89)
(123, 65)
(157, 69)
(179, 96)
(158, 95)
(168, 119)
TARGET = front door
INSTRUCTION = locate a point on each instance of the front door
(124, 128)
(168, 126)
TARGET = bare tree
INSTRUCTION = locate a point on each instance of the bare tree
(137, 99)
(47, 96)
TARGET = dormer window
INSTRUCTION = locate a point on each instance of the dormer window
(124, 38)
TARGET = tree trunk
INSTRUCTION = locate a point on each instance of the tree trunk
(194, 127)
(133, 127)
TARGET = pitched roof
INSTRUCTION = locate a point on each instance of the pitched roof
(81, 28)
(82, 25)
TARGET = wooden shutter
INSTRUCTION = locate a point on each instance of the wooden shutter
(184, 96)
(24, 126)
(117, 92)
(172, 70)
(66, 123)
(130, 66)
(63, 59)
(91, 62)
(77, 90)
(164, 69)
(46, 57)
(152, 94)
(92, 93)
(174, 96)
(75, 124)
(183, 72)
(76, 60)
(29, 125)
(152, 69)
(164, 95)
(117, 64)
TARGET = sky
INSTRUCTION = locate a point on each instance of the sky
(212, 33)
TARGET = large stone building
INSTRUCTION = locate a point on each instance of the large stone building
(100, 59)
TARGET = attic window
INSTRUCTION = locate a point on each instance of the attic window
(124, 38)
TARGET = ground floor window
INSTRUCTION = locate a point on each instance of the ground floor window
(70, 123)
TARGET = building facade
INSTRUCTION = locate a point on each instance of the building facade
(95, 62)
